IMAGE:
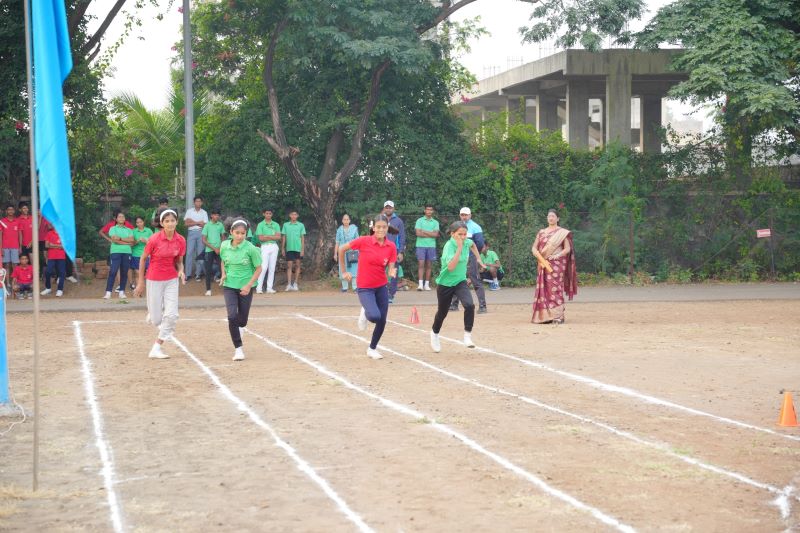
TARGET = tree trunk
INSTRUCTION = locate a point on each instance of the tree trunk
(325, 216)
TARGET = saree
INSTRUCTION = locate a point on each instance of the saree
(548, 298)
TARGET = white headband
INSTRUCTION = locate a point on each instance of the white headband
(164, 212)
(243, 221)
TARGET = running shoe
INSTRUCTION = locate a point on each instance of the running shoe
(374, 354)
(468, 340)
(157, 353)
(436, 346)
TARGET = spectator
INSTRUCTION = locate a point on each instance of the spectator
(195, 219)
(56, 263)
(293, 243)
(268, 233)
(122, 240)
(11, 238)
(427, 230)
(141, 234)
(474, 233)
(163, 203)
(26, 229)
(493, 272)
(213, 234)
(345, 233)
(398, 237)
(22, 278)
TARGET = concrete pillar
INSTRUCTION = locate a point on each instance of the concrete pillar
(618, 100)
(547, 112)
(578, 114)
(650, 141)
(515, 108)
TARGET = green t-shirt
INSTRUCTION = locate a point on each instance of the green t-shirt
(240, 263)
(121, 232)
(427, 225)
(459, 274)
(273, 228)
(213, 232)
(293, 233)
(491, 258)
(138, 248)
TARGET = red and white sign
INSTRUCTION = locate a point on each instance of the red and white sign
(762, 233)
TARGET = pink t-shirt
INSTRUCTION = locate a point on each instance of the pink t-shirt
(164, 254)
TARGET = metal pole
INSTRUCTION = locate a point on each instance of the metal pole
(36, 269)
(188, 102)
(630, 237)
(771, 241)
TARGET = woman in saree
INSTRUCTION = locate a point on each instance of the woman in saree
(556, 272)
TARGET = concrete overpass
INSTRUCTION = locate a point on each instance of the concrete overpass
(592, 97)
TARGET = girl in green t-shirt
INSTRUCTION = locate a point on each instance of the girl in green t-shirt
(140, 236)
(452, 281)
(121, 239)
(240, 264)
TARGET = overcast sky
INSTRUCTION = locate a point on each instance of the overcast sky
(142, 64)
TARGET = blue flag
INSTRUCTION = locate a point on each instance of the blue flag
(52, 61)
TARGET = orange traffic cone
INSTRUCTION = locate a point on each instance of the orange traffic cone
(787, 418)
(414, 316)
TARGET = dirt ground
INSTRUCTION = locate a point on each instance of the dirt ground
(541, 428)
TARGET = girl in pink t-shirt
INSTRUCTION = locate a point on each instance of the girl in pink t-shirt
(165, 250)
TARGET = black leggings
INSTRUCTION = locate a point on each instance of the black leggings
(238, 307)
(445, 295)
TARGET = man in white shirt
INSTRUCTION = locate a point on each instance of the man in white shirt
(195, 219)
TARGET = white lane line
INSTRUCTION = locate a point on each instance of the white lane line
(100, 441)
(625, 391)
(502, 461)
(301, 463)
(280, 317)
(782, 495)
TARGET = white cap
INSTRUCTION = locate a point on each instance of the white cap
(465, 211)
(389, 203)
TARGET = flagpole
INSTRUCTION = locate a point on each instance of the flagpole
(188, 104)
(35, 243)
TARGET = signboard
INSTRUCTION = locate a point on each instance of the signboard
(762, 233)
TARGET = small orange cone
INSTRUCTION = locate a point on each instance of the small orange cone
(415, 317)
(787, 418)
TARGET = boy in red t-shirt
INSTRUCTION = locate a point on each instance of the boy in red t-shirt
(25, 223)
(22, 279)
(56, 262)
(9, 228)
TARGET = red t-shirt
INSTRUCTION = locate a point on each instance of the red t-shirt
(112, 223)
(10, 230)
(23, 274)
(26, 227)
(55, 253)
(164, 253)
(373, 258)
(44, 228)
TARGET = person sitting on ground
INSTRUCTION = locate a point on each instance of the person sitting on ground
(493, 272)
(22, 279)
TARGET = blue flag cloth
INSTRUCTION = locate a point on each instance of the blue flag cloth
(52, 61)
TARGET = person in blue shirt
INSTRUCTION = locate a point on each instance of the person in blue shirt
(474, 233)
(399, 240)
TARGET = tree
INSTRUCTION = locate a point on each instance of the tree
(323, 66)
(743, 55)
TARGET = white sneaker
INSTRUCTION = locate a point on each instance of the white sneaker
(362, 320)
(147, 319)
(436, 346)
(427, 286)
(238, 354)
(295, 287)
(271, 291)
(59, 294)
(45, 292)
(421, 287)
(288, 288)
(208, 293)
(156, 353)
(259, 291)
(106, 296)
(374, 354)
(72, 279)
(468, 340)
(122, 294)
